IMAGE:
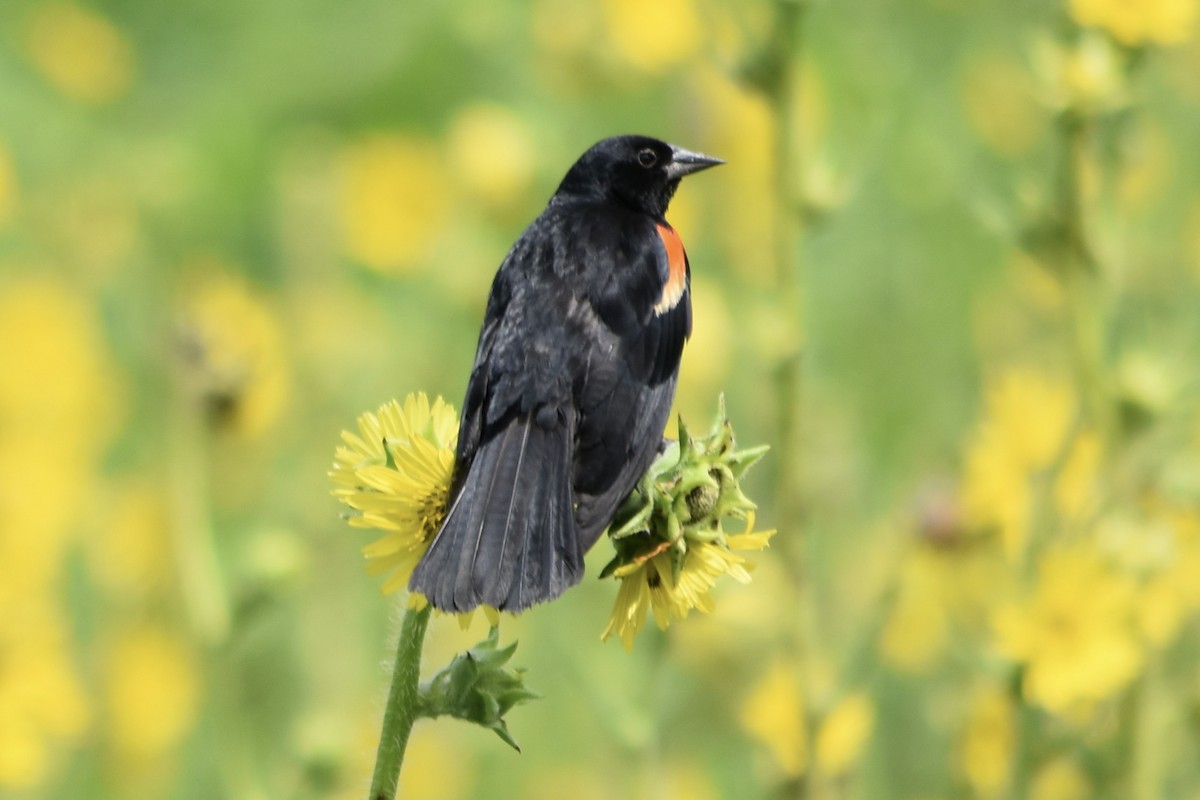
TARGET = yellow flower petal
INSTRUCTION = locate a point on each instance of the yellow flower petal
(395, 473)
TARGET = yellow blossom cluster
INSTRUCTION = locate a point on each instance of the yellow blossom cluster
(61, 402)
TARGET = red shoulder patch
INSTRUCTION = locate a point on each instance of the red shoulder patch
(677, 270)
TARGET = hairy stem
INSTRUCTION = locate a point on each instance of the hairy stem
(402, 705)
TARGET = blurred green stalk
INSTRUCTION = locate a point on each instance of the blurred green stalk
(780, 81)
(778, 75)
(402, 705)
(1082, 276)
(200, 581)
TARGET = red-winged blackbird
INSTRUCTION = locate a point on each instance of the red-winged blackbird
(572, 383)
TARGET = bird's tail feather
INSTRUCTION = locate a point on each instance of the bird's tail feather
(510, 539)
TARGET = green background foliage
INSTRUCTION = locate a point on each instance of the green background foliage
(227, 229)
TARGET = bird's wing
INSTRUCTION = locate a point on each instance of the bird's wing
(639, 321)
(509, 539)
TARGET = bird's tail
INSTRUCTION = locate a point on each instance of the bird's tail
(510, 539)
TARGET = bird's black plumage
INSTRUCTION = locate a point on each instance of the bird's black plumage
(573, 380)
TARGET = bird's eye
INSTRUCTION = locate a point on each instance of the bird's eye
(647, 157)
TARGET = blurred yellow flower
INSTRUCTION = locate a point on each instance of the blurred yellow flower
(8, 186)
(1061, 779)
(129, 549)
(988, 742)
(61, 378)
(653, 35)
(1160, 611)
(395, 474)
(582, 779)
(1076, 490)
(710, 350)
(741, 128)
(151, 691)
(918, 625)
(650, 583)
(492, 153)
(233, 350)
(80, 52)
(59, 407)
(1074, 633)
(1086, 77)
(685, 780)
(1171, 592)
(1026, 419)
(844, 733)
(42, 704)
(1191, 236)
(394, 200)
(565, 27)
(1148, 382)
(98, 222)
(1001, 106)
(1138, 22)
(436, 766)
(773, 714)
(1149, 169)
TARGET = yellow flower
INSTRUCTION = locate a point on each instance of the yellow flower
(844, 733)
(743, 132)
(918, 625)
(1136, 22)
(1026, 420)
(437, 766)
(59, 408)
(395, 473)
(684, 780)
(650, 583)
(773, 714)
(710, 349)
(1075, 490)
(80, 52)
(130, 552)
(234, 352)
(1060, 780)
(1086, 77)
(151, 690)
(394, 200)
(1171, 594)
(987, 745)
(565, 28)
(1000, 105)
(944, 591)
(1074, 634)
(653, 35)
(8, 186)
(42, 704)
(492, 153)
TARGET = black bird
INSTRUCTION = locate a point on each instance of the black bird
(572, 383)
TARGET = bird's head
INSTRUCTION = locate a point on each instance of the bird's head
(635, 171)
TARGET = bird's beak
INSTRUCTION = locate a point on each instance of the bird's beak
(685, 162)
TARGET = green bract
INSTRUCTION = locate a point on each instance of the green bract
(684, 496)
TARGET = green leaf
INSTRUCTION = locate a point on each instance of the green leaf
(479, 687)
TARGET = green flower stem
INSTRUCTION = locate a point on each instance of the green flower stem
(782, 89)
(203, 589)
(403, 705)
(781, 83)
(1150, 730)
(1083, 278)
(1025, 757)
(200, 581)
